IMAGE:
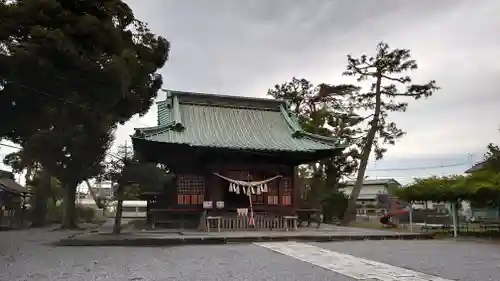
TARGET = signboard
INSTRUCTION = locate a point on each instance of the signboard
(207, 204)
(220, 204)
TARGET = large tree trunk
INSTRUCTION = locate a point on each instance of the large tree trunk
(119, 210)
(331, 176)
(316, 187)
(350, 212)
(98, 203)
(69, 218)
(39, 208)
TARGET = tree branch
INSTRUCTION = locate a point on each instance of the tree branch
(402, 80)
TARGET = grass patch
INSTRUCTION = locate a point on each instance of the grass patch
(379, 226)
(135, 224)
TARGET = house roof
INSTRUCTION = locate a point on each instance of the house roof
(477, 167)
(6, 174)
(12, 186)
(374, 182)
(207, 120)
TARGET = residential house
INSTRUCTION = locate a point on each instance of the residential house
(102, 189)
(371, 189)
(12, 198)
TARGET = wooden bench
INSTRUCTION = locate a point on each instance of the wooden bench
(310, 216)
(215, 219)
(293, 220)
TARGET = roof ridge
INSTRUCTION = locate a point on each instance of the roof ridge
(177, 92)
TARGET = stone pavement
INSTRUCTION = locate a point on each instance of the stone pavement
(348, 265)
(165, 237)
(27, 255)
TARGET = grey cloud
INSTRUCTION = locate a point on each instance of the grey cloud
(214, 42)
(244, 47)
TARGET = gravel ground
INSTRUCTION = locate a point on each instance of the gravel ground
(24, 255)
(35, 261)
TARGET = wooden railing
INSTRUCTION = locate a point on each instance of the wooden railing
(262, 222)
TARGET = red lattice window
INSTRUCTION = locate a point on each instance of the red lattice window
(190, 189)
(257, 199)
(286, 198)
(272, 200)
(272, 194)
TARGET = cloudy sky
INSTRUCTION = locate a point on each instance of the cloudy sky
(245, 47)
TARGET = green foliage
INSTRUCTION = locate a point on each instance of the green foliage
(324, 114)
(102, 202)
(369, 205)
(486, 192)
(16, 161)
(334, 205)
(69, 72)
(137, 176)
(96, 55)
(481, 188)
(85, 213)
(386, 70)
(54, 212)
(492, 157)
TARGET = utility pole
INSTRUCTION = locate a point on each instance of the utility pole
(119, 194)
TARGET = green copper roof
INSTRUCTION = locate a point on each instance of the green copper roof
(231, 122)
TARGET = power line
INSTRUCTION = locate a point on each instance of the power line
(421, 168)
(43, 93)
(16, 147)
(65, 101)
(11, 146)
(115, 156)
(369, 170)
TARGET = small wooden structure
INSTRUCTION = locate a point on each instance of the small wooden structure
(228, 153)
(12, 199)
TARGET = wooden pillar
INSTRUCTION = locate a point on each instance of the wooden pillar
(281, 192)
(217, 192)
(208, 184)
(295, 188)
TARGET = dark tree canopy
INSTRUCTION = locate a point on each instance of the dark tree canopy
(69, 72)
(326, 114)
(74, 56)
(492, 158)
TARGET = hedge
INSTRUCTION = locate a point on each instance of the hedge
(480, 188)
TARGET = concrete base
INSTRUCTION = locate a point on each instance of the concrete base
(171, 238)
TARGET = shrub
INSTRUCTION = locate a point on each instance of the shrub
(85, 214)
(54, 212)
(334, 206)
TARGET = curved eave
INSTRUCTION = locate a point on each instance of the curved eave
(257, 150)
(295, 157)
(298, 132)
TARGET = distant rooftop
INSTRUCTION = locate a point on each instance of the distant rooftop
(375, 182)
(476, 167)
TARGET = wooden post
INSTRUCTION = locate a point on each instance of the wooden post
(296, 188)
(454, 213)
(410, 216)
